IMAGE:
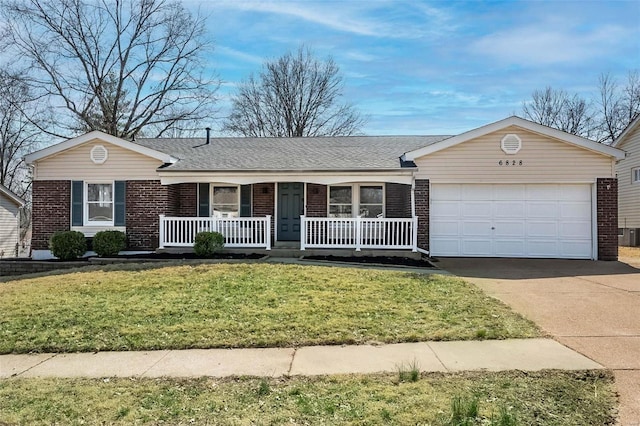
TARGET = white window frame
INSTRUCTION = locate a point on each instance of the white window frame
(635, 175)
(85, 204)
(211, 193)
(355, 197)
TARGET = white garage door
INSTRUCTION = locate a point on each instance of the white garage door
(495, 220)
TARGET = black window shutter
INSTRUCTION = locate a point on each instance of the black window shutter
(119, 205)
(245, 201)
(203, 200)
(77, 193)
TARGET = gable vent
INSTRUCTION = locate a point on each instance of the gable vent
(99, 154)
(511, 144)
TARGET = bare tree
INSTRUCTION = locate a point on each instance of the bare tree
(18, 136)
(120, 66)
(293, 96)
(557, 109)
(618, 105)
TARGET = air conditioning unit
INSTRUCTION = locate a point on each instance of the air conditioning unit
(629, 237)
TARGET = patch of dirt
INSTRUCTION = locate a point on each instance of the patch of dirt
(384, 260)
(180, 256)
(629, 252)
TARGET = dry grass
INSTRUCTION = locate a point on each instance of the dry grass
(540, 398)
(629, 252)
(244, 305)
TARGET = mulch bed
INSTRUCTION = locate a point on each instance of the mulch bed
(384, 260)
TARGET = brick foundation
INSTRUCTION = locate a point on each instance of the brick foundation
(421, 193)
(398, 200)
(51, 210)
(607, 217)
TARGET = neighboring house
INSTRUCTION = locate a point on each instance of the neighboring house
(512, 188)
(10, 209)
(628, 172)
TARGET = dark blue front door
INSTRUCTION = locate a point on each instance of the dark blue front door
(290, 207)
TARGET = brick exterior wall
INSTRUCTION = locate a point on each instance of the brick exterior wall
(421, 193)
(51, 210)
(607, 217)
(398, 200)
(264, 203)
(146, 201)
(316, 200)
(184, 199)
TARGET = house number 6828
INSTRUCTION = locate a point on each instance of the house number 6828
(510, 163)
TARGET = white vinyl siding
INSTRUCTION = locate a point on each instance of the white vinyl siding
(9, 232)
(511, 220)
(540, 159)
(76, 164)
(628, 189)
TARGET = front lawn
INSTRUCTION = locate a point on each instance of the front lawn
(244, 305)
(505, 398)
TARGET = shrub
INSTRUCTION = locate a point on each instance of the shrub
(208, 243)
(67, 245)
(109, 243)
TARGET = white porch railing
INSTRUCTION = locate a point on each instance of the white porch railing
(359, 233)
(237, 231)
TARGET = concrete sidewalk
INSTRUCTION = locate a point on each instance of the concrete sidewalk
(492, 355)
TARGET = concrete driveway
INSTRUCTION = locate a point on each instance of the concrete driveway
(591, 307)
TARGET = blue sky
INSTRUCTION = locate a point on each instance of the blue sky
(427, 67)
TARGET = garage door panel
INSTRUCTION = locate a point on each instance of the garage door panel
(446, 228)
(480, 209)
(540, 229)
(476, 247)
(476, 228)
(509, 209)
(575, 249)
(509, 248)
(504, 229)
(575, 210)
(542, 209)
(512, 220)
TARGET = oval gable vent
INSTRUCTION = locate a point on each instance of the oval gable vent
(511, 144)
(99, 154)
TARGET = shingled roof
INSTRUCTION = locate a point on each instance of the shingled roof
(299, 154)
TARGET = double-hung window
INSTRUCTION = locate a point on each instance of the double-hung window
(635, 175)
(353, 200)
(225, 201)
(99, 204)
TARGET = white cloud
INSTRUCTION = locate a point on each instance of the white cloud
(236, 54)
(544, 45)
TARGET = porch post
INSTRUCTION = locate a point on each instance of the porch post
(161, 233)
(414, 233)
(303, 231)
(268, 231)
(358, 233)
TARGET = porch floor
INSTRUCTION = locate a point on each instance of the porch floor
(292, 250)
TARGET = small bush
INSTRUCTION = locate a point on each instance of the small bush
(208, 243)
(109, 243)
(409, 373)
(68, 245)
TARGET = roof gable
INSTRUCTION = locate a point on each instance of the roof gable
(620, 140)
(91, 136)
(11, 196)
(518, 122)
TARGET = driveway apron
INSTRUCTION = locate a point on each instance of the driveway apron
(589, 306)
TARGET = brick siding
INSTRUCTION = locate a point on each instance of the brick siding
(421, 193)
(607, 217)
(183, 198)
(51, 210)
(316, 200)
(146, 201)
(264, 203)
(398, 200)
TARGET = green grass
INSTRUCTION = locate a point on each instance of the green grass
(507, 398)
(244, 305)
